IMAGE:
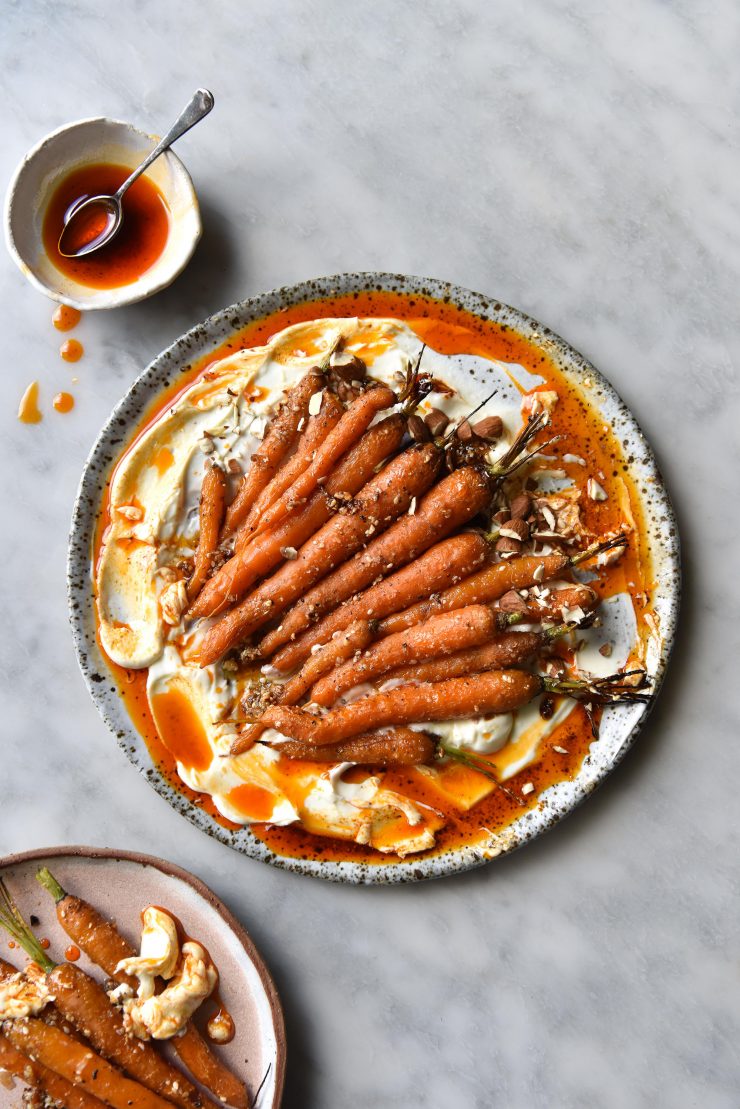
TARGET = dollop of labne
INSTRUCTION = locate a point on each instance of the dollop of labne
(190, 975)
(24, 994)
(163, 1016)
(160, 951)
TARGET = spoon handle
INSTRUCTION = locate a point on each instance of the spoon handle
(197, 107)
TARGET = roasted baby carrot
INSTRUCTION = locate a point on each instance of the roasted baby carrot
(52, 1086)
(449, 505)
(478, 694)
(507, 650)
(493, 581)
(212, 506)
(97, 937)
(260, 556)
(562, 603)
(317, 428)
(439, 636)
(353, 423)
(279, 438)
(104, 945)
(436, 569)
(391, 747)
(340, 647)
(485, 586)
(79, 1064)
(210, 1071)
(383, 499)
(85, 1004)
(82, 1002)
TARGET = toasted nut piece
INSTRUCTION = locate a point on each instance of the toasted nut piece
(519, 527)
(490, 427)
(347, 366)
(346, 392)
(555, 667)
(521, 507)
(436, 421)
(418, 430)
(233, 466)
(465, 432)
(505, 545)
(512, 602)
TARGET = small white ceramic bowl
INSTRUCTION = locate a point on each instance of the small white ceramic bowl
(49, 162)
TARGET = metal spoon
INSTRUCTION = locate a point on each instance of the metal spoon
(105, 213)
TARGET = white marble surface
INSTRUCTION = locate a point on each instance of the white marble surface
(580, 161)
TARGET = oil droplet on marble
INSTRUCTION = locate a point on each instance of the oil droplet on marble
(71, 350)
(28, 409)
(65, 317)
(64, 402)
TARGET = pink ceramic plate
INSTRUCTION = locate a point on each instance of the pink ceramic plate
(120, 884)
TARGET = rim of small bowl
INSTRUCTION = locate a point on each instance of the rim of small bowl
(122, 295)
(618, 732)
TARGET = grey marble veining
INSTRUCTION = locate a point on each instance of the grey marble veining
(579, 160)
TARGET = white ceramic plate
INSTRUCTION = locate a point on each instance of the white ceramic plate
(620, 725)
(120, 885)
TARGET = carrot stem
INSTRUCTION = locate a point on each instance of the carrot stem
(599, 548)
(13, 923)
(416, 386)
(516, 456)
(49, 882)
(609, 690)
(557, 630)
(468, 760)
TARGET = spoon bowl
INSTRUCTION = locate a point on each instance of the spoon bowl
(90, 224)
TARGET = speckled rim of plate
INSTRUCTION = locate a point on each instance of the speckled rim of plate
(173, 871)
(620, 726)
